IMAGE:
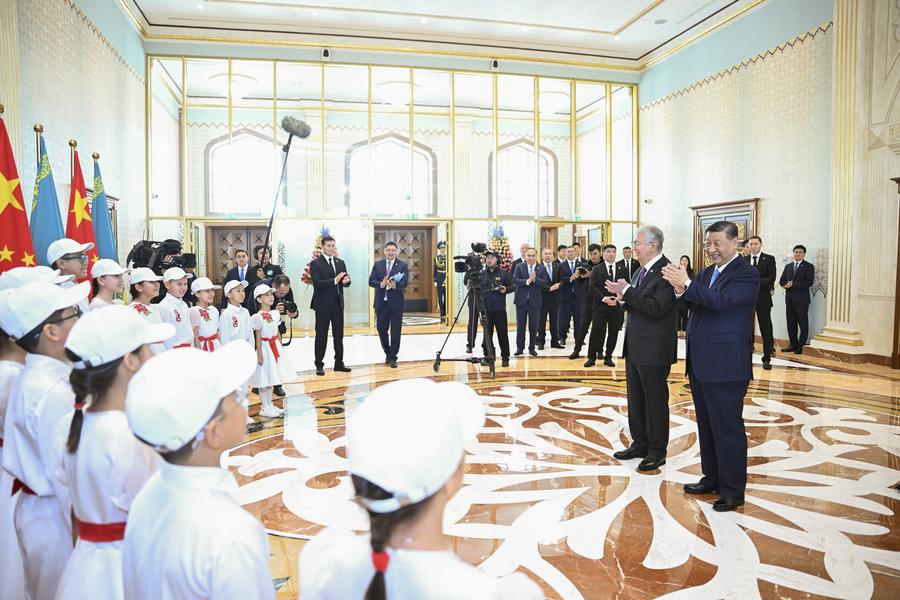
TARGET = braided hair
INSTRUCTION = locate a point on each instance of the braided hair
(90, 382)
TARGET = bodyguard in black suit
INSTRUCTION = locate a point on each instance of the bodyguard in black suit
(530, 280)
(389, 277)
(628, 265)
(329, 276)
(595, 254)
(608, 315)
(549, 302)
(496, 283)
(239, 272)
(522, 250)
(765, 267)
(796, 279)
(650, 345)
(572, 292)
(718, 361)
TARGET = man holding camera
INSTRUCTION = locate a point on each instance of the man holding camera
(389, 277)
(495, 284)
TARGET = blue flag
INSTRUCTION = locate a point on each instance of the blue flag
(103, 231)
(46, 223)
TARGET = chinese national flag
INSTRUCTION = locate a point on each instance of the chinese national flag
(16, 249)
(79, 225)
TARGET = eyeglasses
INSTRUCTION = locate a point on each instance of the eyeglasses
(81, 257)
(75, 315)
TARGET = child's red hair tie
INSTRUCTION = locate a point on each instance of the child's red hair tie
(380, 560)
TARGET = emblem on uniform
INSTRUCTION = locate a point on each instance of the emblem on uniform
(204, 313)
(143, 310)
(177, 316)
(234, 321)
(267, 317)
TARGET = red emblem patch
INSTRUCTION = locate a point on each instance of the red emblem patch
(234, 321)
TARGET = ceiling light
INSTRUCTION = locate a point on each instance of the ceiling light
(524, 30)
(200, 6)
(395, 93)
(423, 20)
(552, 102)
(660, 22)
(241, 85)
(616, 36)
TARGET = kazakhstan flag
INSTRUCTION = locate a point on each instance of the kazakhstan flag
(103, 231)
(46, 223)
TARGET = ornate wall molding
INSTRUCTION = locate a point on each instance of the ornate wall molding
(94, 30)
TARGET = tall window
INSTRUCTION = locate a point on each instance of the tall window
(517, 179)
(378, 177)
(241, 176)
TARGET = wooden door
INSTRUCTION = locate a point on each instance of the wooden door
(221, 244)
(414, 245)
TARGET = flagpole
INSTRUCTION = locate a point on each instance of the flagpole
(38, 132)
(72, 144)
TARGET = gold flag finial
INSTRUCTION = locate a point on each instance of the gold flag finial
(38, 128)
(73, 144)
(96, 156)
(2, 109)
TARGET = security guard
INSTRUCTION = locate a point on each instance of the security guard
(495, 284)
(440, 276)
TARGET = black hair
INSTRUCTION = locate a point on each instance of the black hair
(576, 244)
(755, 237)
(593, 247)
(391, 243)
(800, 247)
(280, 280)
(727, 227)
(327, 238)
(381, 526)
(608, 246)
(95, 286)
(241, 250)
(93, 382)
(256, 250)
(561, 247)
(626, 247)
(29, 341)
(687, 257)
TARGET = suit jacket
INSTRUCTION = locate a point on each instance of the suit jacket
(515, 264)
(233, 275)
(803, 279)
(530, 295)
(495, 300)
(721, 323)
(651, 338)
(635, 267)
(325, 293)
(549, 298)
(765, 267)
(599, 276)
(394, 296)
(567, 289)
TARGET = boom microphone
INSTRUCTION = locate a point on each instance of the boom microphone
(296, 127)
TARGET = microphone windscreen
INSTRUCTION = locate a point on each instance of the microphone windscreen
(296, 127)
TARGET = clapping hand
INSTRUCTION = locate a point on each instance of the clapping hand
(574, 276)
(384, 282)
(676, 276)
(345, 280)
(788, 285)
(554, 287)
(609, 300)
(502, 289)
(616, 287)
(532, 276)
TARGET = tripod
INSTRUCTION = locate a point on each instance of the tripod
(487, 343)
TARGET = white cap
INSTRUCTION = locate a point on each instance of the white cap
(408, 438)
(175, 394)
(102, 336)
(4, 306)
(203, 283)
(107, 266)
(260, 290)
(176, 273)
(33, 303)
(142, 274)
(230, 285)
(60, 248)
(19, 276)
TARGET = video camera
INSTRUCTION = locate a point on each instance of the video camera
(471, 264)
(160, 255)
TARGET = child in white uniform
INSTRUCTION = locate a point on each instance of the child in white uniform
(187, 537)
(234, 322)
(205, 316)
(69, 257)
(105, 465)
(40, 317)
(19, 276)
(108, 281)
(406, 456)
(273, 367)
(144, 288)
(175, 280)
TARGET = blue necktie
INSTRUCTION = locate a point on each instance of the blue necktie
(241, 271)
(715, 276)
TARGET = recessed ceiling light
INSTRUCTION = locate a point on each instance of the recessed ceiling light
(660, 22)
(524, 29)
(200, 6)
(616, 36)
(423, 20)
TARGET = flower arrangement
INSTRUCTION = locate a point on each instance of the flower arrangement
(499, 243)
(317, 252)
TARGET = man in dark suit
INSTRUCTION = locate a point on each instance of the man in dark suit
(239, 272)
(495, 284)
(329, 277)
(595, 257)
(608, 316)
(796, 279)
(549, 302)
(560, 254)
(572, 292)
(522, 250)
(650, 344)
(765, 266)
(721, 301)
(628, 265)
(389, 277)
(530, 280)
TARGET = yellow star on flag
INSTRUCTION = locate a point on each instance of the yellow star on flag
(7, 187)
(6, 254)
(28, 260)
(80, 209)
(94, 259)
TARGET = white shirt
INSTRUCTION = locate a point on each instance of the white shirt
(180, 318)
(98, 302)
(336, 565)
(188, 538)
(83, 303)
(154, 314)
(648, 265)
(234, 324)
(9, 372)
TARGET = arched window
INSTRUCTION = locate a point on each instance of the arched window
(517, 180)
(241, 176)
(377, 177)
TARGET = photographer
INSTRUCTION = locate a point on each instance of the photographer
(495, 284)
(285, 305)
(173, 257)
(264, 269)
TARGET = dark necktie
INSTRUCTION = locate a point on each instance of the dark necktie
(331, 266)
(609, 267)
(754, 261)
(640, 277)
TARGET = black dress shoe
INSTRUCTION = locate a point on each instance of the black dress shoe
(557, 345)
(590, 362)
(726, 504)
(468, 349)
(700, 488)
(798, 350)
(254, 390)
(387, 361)
(342, 368)
(608, 362)
(651, 463)
(504, 362)
(575, 354)
(767, 366)
(540, 346)
(320, 371)
(279, 391)
(789, 349)
(393, 364)
(629, 453)
(533, 352)
(518, 353)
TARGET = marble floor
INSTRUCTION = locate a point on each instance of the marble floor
(543, 495)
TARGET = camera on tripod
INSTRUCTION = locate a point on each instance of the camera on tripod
(160, 255)
(471, 264)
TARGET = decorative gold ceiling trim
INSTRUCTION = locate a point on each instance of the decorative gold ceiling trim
(420, 15)
(132, 17)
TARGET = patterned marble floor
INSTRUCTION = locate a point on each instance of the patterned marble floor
(543, 495)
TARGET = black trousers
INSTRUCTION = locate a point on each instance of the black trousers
(442, 298)
(682, 317)
(607, 323)
(569, 310)
(387, 319)
(797, 315)
(549, 308)
(526, 316)
(472, 327)
(720, 431)
(648, 407)
(587, 316)
(764, 318)
(496, 319)
(333, 316)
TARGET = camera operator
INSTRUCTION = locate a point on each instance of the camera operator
(285, 305)
(264, 269)
(472, 327)
(495, 284)
(175, 258)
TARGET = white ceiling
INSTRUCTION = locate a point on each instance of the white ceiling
(611, 31)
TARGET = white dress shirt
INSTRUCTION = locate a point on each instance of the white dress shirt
(188, 538)
(179, 317)
(646, 266)
(234, 324)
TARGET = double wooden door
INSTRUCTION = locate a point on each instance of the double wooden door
(223, 241)
(415, 248)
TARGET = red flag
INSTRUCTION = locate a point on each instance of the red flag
(79, 225)
(16, 249)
